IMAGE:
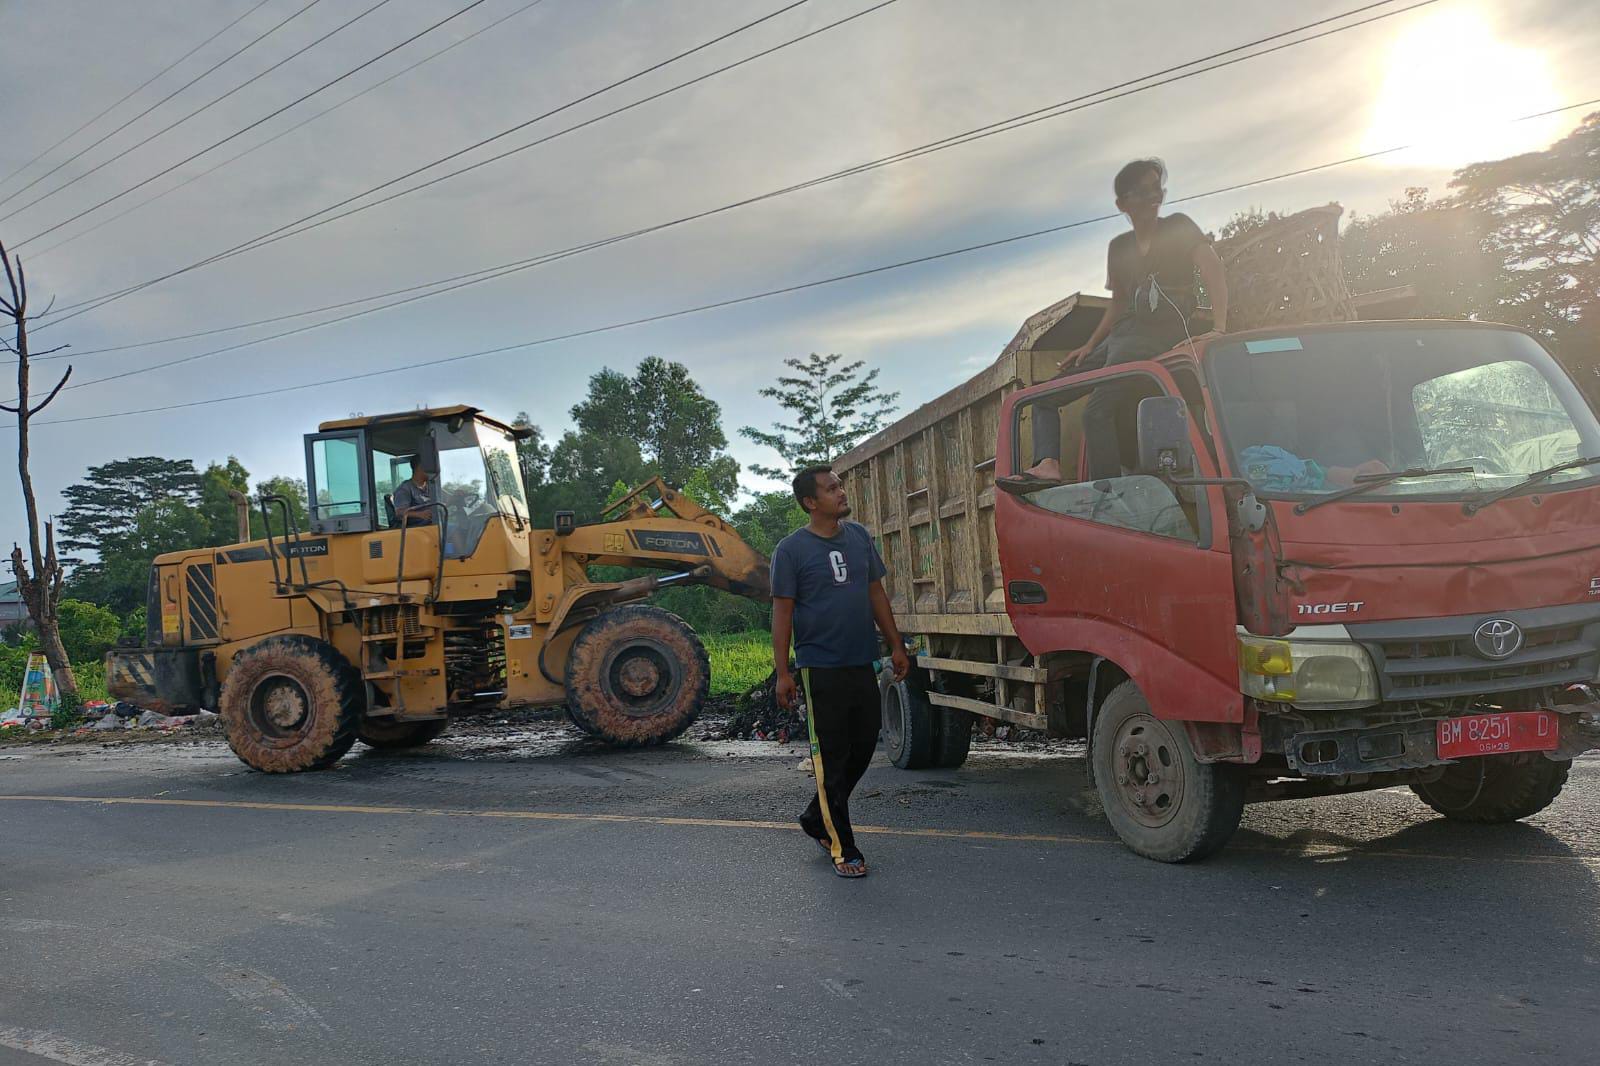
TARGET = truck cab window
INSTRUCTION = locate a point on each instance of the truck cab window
(1053, 424)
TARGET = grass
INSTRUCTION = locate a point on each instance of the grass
(91, 685)
(738, 660)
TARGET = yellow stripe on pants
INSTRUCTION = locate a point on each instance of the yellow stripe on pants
(835, 846)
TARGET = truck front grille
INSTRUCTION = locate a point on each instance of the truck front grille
(1437, 658)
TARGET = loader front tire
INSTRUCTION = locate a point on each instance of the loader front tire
(290, 703)
(636, 676)
(386, 734)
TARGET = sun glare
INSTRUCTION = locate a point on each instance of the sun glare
(1450, 86)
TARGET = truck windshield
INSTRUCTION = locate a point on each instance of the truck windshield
(1308, 414)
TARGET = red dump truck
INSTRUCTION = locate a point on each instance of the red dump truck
(1342, 557)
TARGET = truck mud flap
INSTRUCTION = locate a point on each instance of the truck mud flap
(159, 679)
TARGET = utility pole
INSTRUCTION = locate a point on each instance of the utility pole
(39, 585)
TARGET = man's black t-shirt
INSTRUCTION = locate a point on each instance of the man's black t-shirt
(1169, 262)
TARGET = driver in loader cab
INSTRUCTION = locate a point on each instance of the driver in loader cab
(413, 499)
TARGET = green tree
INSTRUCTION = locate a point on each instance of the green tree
(832, 408)
(767, 519)
(292, 489)
(105, 504)
(88, 631)
(533, 454)
(678, 428)
(584, 468)
(216, 503)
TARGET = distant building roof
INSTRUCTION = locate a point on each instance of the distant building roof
(8, 592)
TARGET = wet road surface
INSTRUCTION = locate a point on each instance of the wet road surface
(528, 898)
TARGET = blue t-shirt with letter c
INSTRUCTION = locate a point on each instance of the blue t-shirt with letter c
(829, 580)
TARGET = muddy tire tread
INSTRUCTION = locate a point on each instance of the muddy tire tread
(328, 680)
(591, 712)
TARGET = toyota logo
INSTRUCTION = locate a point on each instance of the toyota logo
(1498, 638)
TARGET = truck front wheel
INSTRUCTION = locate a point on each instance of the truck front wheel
(1495, 789)
(290, 703)
(636, 675)
(1163, 802)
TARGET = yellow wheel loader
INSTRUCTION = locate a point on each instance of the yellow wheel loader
(380, 625)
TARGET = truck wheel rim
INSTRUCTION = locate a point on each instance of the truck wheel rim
(1148, 771)
(642, 677)
(279, 707)
(894, 727)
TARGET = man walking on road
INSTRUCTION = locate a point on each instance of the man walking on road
(827, 592)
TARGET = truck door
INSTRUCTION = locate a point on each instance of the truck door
(1126, 568)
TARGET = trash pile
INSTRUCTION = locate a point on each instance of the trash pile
(120, 716)
(24, 718)
(757, 716)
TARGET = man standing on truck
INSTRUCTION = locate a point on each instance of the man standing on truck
(827, 592)
(1150, 272)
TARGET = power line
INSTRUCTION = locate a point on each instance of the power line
(73, 310)
(492, 273)
(278, 136)
(224, 61)
(763, 295)
(237, 133)
(134, 92)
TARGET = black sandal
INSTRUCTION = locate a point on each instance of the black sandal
(1022, 484)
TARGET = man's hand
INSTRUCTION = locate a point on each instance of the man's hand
(787, 691)
(1073, 358)
(901, 664)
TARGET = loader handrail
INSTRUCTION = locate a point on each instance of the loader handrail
(400, 562)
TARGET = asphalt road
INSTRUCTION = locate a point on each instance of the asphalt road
(528, 899)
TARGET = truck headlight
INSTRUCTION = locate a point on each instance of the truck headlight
(1307, 673)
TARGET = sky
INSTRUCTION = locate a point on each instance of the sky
(1442, 78)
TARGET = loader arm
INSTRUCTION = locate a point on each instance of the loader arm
(657, 526)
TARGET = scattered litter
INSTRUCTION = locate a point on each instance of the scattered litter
(757, 716)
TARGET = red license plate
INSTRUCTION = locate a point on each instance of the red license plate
(1502, 731)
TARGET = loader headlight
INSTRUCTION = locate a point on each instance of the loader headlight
(1307, 673)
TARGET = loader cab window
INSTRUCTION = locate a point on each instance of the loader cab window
(337, 476)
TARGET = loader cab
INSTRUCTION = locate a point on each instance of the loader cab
(354, 466)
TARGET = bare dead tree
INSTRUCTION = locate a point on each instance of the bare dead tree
(39, 585)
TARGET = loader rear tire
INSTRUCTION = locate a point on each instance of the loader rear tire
(1496, 789)
(1163, 802)
(290, 703)
(636, 676)
(386, 734)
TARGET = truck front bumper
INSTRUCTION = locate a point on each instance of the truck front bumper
(1408, 744)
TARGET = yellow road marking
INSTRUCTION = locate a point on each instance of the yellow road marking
(1311, 851)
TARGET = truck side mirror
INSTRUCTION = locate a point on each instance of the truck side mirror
(428, 455)
(1164, 447)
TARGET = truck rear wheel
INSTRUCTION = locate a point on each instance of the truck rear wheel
(909, 728)
(1163, 802)
(1495, 789)
(386, 734)
(954, 737)
(290, 703)
(636, 675)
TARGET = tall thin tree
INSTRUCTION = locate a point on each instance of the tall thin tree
(39, 585)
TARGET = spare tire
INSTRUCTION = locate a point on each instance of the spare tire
(290, 703)
(636, 675)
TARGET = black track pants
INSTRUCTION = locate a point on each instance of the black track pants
(843, 715)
